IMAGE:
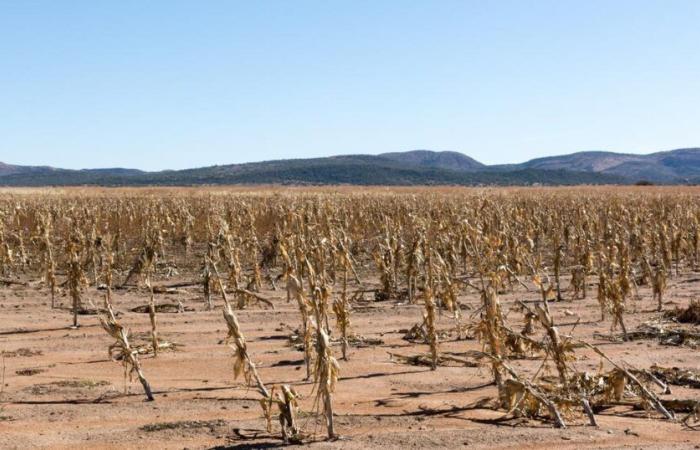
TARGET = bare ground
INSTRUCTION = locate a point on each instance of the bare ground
(61, 390)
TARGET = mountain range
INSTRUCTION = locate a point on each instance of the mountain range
(416, 167)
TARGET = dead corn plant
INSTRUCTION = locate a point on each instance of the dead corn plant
(659, 285)
(326, 374)
(76, 280)
(48, 259)
(341, 306)
(286, 400)
(121, 349)
(429, 316)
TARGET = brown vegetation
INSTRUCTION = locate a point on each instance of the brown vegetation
(463, 269)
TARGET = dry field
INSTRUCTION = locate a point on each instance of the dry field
(350, 318)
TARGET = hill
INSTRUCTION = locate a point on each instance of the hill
(440, 160)
(676, 166)
(347, 169)
(417, 167)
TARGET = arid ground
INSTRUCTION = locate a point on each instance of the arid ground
(62, 390)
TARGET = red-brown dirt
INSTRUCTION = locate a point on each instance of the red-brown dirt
(70, 395)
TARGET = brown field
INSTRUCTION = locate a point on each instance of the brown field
(467, 264)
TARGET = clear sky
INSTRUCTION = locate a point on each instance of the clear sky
(173, 84)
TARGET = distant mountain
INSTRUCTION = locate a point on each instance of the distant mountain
(594, 161)
(676, 166)
(440, 160)
(363, 170)
(114, 171)
(417, 167)
(8, 169)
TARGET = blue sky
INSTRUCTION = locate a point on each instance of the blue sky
(174, 84)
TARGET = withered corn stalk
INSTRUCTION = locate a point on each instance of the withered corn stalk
(578, 282)
(49, 263)
(242, 364)
(612, 292)
(429, 314)
(602, 296)
(287, 405)
(148, 263)
(659, 285)
(645, 393)
(76, 281)
(326, 368)
(142, 262)
(341, 306)
(557, 267)
(326, 374)
(414, 261)
(556, 346)
(206, 281)
(492, 331)
(516, 387)
(342, 317)
(152, 316)
(286, 401)
(122, 350)
(295, 290)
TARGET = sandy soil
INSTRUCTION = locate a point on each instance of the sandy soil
(62, 391)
